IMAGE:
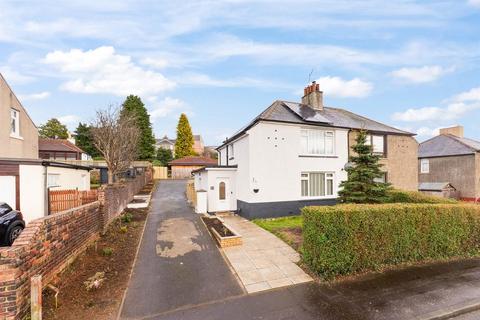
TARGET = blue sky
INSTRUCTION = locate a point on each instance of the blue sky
(411, 64)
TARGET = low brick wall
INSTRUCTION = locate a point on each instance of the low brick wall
(45, 247)
(49, 244)
(114, 198)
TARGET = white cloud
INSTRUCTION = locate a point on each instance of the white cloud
(475, 3)
(158, 63)
(422, 74)
(338, 87)
(166, 107)
(14, 77)
(35, 96)
(69, 119)
(460, 105)
(102, 70)
(200, 79)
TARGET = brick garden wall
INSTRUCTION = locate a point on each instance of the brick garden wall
(49, 244)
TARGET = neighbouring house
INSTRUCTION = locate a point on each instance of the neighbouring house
(24, 183)
(182, 168)
(169, 144)
(294, 154)
(24, 178)
(18, 133)
(453, 158)
(60, 149)
(165, 143)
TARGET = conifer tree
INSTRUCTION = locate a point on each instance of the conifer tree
(164, 156)
(184, 142)
(84, 140)
(134, 106)
(361, 187)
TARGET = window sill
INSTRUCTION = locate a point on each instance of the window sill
(16, 137)
(316, 156)
(318, 198)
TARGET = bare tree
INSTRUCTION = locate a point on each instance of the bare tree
(116, 137)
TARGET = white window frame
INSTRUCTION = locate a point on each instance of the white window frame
(425, 166)
(14, 123)
(370, 142)
(231, 153)
(309, 147)
(305, 180)
(53, 180)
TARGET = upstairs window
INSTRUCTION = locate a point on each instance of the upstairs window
(378, 143)
(317, 142)
(14, 123)
(231, 151)
(424, 166)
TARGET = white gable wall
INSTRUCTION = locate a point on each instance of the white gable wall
(276, 166)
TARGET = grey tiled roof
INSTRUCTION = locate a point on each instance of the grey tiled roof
(447, 145)
(293, 112)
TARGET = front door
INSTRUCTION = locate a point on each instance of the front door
(223, 194)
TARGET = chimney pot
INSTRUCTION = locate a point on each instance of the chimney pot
(313, 97)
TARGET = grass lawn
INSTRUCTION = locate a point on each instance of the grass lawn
(289, 229)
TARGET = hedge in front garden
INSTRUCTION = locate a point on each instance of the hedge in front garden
(345, 239)
(395, 196)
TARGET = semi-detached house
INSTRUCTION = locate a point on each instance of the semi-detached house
(294, 154)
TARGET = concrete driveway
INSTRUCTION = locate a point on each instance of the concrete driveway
(178, 263)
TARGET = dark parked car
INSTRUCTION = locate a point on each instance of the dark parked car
(11, 224)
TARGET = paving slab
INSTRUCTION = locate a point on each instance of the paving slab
(263, 261)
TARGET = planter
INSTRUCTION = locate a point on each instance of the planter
(222, 233)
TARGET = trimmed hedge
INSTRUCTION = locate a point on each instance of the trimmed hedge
(401, 196)
(345, 239)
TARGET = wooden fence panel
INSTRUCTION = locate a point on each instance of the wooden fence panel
(160, 173)
(191, 194)
(61, 200)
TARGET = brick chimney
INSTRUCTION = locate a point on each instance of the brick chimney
(456, 131)
(312, 96)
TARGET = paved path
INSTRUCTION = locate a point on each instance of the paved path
(178, 263)
(263, 261)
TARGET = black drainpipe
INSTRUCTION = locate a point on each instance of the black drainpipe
(227, 153)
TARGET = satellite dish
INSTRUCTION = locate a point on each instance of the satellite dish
(348, 165)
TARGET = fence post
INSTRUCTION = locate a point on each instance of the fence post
(36, 297)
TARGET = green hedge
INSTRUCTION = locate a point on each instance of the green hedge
(345, 239)
(401, 196)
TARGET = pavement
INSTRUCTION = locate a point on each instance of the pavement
(178, 262)
(263, 261)
(181, 274)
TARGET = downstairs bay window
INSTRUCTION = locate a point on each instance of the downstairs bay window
(317, 184)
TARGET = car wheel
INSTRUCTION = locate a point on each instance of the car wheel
(13, 233)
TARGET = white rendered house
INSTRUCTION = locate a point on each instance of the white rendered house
(290, 156)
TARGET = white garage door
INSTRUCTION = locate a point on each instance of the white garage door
(7, 190)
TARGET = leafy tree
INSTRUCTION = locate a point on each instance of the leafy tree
(53, 129)
(164, 156)
(361, 187)
(184, 142)
(134, 106)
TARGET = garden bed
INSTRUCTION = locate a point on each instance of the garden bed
(109, 261)
(223, 234)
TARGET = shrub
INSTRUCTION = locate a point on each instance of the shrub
(107, 252)
(126, 217)
(123, 229)
(345, 239)
(401, 196)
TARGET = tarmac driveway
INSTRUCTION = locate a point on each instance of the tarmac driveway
(178, 263)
